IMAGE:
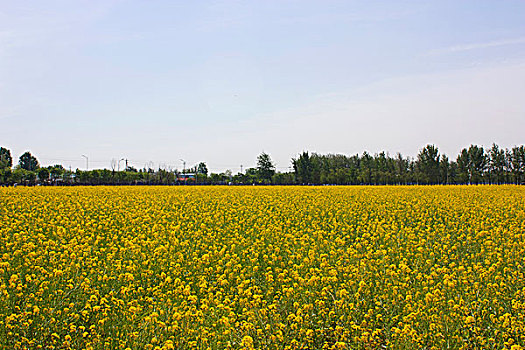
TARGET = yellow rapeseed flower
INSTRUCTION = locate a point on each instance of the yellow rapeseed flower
(262, 267)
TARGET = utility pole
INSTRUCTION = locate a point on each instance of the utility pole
(241, 169)
(87, 161)
(183, 170)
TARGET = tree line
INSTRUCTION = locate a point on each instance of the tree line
(473, 165)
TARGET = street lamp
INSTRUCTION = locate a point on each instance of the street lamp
(118, 167)
(87, 161)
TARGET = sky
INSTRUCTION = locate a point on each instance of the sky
(159, 82)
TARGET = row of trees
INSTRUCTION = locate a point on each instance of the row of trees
(473, 165)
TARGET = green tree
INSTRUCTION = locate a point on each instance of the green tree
(496, 166)
(43, 174)
(23, 176)
(250, 176)
(303, 168)
(217, 178)
(427, 163)
(463, 166)
(283, 178)
(401, 168)
(265, 167)
(5, 175)
(382, 168)
(6, 161)
(472, 163)
(365, 169)
(517, 161)
(28, 162)
(202, 168)
(478, 160)
(444, 170)
(56, 171)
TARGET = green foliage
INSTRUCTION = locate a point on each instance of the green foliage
(43, 174)
(517, 162)
(472, 163)
(28, 162)
(265, 167)
(6, 160)
(428, 161)
(202, 168)
(496, 166)
(5, 176)
(23, 176)
(303, 168)
(56, 171)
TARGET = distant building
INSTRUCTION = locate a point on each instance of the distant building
(186, 177)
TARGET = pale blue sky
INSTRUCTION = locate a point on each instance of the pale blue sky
(222, 81)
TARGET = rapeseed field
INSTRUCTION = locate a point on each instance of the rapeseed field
(262, 267)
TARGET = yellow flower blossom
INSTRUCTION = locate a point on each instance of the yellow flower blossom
(262, 267)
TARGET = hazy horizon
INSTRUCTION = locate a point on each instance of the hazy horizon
(223, 81)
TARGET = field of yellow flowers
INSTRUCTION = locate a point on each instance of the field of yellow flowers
(262, 267)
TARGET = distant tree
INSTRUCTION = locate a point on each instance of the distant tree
(43, 174)
(428, 164)
(283, 178)
(401, 168)
(202, 168)
(496, 164)
(56, 171)
(517, 161)
(265, 167)
(105, 176)
(366, 167)
(250, 176)
(478, 160)
(217, 178)
(81, 176)
(303, 168)
(453, 173)
(463, 162)
(17, 175)
(384, 168)
(6, 161)
(251, 172)
(444, 170)
(5, 175)
(94, 176)
(23, 176)
(28, 162)
(472, 163)
(508, 166)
